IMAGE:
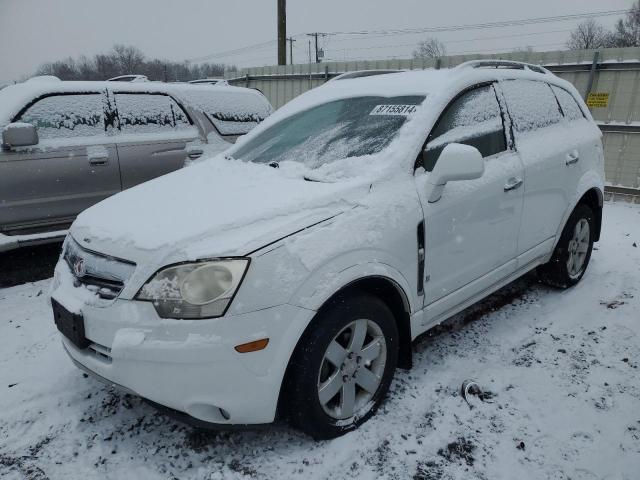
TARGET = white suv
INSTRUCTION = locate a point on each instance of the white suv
(290, 277)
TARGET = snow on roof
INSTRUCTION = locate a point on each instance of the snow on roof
(14, 97)
(444, 82)
(439, 86)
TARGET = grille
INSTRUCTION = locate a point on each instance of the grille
(103, 353)
(102, 274)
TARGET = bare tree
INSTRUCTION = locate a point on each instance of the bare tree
(123, 60)
(107, 66)
(430, 48)
(587, 35)
(128, 58)
(626, 32)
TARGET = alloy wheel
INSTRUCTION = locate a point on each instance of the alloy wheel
(351, 370)
(578, 248)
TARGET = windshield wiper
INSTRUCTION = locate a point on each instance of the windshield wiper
(309, 179)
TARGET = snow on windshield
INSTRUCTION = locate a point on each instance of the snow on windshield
(351, 127)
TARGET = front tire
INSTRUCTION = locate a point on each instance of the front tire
(573, 251)
(342, 367)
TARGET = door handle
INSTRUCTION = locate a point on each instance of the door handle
(194, 153)
(512, 184)
(99, 160)
(572, 157)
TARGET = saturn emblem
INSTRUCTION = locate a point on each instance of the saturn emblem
(79, 269)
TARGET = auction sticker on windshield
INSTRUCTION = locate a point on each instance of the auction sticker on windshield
(403, 110)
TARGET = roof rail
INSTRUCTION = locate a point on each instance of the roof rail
(363, 73)
(504, 64)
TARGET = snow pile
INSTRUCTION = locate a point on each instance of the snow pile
(559, 372)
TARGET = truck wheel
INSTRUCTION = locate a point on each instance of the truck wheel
(573, 251)
(342, 367)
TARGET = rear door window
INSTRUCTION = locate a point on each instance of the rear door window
(474, 119)
(65, 116)
(570, 107)
(532, 105)
(145, 113)
(231, 112)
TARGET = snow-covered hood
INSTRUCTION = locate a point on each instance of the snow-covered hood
(215, 208)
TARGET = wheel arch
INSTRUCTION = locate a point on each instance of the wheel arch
(590, 192)
(384, 288)
(594, 199)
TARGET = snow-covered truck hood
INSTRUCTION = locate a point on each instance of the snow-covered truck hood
(215, 208)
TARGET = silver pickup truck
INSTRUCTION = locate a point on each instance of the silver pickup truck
(68, 145)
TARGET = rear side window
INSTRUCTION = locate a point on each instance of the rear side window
(531, 104)
(570, 107)
(231, 112)
(65, 116)
(474, 119)
(144, 113)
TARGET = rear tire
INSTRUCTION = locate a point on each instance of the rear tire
(342, 367)
(573, 251)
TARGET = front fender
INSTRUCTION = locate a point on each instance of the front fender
(342, 271)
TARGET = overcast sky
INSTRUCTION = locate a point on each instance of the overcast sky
(37, 31)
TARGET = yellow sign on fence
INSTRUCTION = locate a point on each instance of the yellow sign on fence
(598, 100)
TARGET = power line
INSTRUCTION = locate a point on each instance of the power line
(258, 58)
(237, 51)
(515, 49)
(447, 42)
(476, 26)
(408, 31)
(400, 57)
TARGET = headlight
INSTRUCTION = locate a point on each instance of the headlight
(195, 290)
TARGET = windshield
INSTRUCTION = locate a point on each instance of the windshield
(345, 128)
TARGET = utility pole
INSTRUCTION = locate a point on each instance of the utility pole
(291, 40)
(282, 32)
(316, 35)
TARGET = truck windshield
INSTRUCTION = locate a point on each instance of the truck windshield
(336, 130)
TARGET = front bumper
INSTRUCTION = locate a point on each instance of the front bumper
(189, 365)
(11, 242)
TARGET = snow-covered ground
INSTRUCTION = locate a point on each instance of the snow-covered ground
(560, 371)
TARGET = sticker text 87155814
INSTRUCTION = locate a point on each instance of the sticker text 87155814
(402, 110)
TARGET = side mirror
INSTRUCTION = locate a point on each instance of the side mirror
(19, 135)
(456, 162)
